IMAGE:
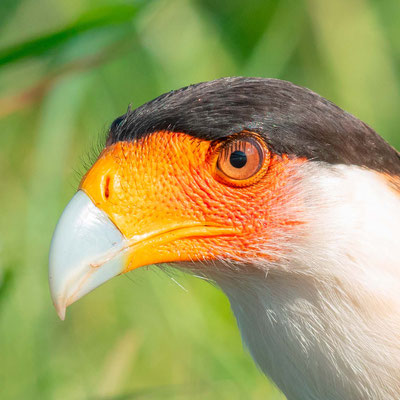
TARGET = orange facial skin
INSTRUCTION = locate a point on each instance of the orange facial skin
(393, 180)
(165, 194)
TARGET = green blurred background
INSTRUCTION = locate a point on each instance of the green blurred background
(67, 69)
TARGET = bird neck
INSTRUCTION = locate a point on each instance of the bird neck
(325, 322)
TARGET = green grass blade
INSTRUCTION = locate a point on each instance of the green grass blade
(8, 9)
(6, 279)
(277, 44)
(98, 18)
(358, 56)
(241, 26)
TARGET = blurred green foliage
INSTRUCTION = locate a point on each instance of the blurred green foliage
(67, 69)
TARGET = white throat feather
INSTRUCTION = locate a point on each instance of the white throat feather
(323, 318)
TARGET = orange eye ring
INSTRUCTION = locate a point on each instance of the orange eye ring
(242, 160)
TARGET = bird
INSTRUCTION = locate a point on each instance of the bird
(288, 203)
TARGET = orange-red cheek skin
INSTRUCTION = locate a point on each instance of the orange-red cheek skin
(166, 181)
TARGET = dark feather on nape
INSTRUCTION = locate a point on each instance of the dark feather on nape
(292, 120)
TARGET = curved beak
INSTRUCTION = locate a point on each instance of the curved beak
(118, 222)
(86, 250)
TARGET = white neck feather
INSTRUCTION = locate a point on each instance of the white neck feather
(324, 320)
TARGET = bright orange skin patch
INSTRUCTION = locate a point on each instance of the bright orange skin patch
(394, 182)
(163, 192)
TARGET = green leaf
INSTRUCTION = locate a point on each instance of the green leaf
(241, 25)
(6, 278)
(98, 18)
(8, 9)
(277, 45)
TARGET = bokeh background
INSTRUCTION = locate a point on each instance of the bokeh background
(67, 69)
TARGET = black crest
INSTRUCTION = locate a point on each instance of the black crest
(292, 120)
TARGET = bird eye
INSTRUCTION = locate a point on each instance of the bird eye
(241, 158)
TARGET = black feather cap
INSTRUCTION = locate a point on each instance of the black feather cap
(292, 120)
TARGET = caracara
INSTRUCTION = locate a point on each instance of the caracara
(288, 203)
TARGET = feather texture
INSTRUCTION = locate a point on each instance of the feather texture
(322, 317)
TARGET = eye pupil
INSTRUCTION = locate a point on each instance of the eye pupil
(238, 159)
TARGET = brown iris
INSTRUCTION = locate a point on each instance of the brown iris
(241, 158)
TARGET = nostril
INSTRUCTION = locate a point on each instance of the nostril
(107, 187)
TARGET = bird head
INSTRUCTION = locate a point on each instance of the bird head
(247, 181)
